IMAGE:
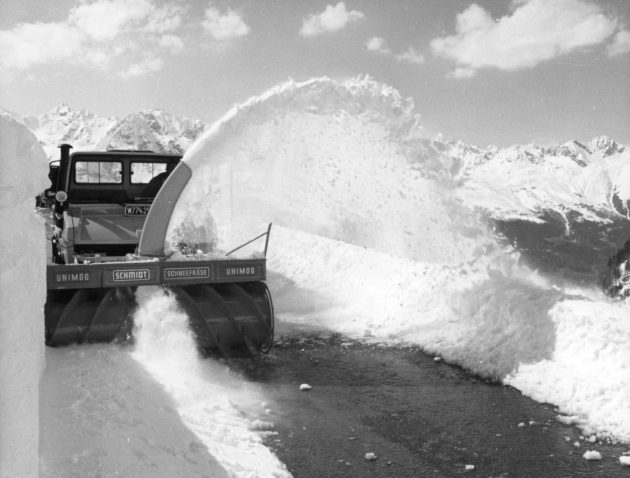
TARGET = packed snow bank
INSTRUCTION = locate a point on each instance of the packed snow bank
(221, 409)
(488, 320)
(377, 241)
(589, 372)
(103, 415)
(508, 323)
(22, 296)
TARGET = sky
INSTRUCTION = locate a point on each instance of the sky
(485, 72)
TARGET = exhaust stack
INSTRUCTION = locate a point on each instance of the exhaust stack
(65, 151)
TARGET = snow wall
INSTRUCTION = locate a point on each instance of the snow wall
(22, 297)
(371, 240)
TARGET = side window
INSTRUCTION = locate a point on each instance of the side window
(143, 172)
(98, 172)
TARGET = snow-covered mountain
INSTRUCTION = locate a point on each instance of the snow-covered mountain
(153, 130)
(150, 129)
(82, 128)
(524, 181)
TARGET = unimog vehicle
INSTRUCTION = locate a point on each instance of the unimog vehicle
(109, 213)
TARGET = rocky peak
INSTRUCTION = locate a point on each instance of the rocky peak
(153, 130)
(605, 145)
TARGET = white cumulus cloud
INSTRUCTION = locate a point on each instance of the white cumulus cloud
(226, 26)
(411, 55)
(171, 43)
(106, 19)
(462, 73)
(95, 34)
(332, 19)
(37, 43)
(536, 31)
(145, 66)
(620, 44)
(377, 45)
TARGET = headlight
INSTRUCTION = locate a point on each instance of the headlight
(61, 197)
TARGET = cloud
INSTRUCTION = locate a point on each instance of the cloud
(536, 31)
(224, 27)
(411, 56)
(377, 45)
(95, 34)
(332, 19)
(106, 19)
(147, 65)
(38, 43)
(620, 44)
(462, 73)
(171, 43)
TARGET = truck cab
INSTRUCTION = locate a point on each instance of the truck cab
(100, 200)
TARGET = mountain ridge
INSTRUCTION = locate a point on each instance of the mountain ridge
(151, 129)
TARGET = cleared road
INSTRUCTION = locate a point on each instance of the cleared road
(420, 417)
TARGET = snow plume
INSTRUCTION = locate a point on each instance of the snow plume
(333, 159)
(211, 400)
(371, 223)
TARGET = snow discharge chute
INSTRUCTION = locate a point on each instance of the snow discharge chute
(154, 230)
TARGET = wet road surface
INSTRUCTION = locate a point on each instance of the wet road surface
(420, 417)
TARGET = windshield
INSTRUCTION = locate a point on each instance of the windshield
(98, 172)
(118, 178)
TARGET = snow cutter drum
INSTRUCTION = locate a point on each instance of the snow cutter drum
(99, 203)
(95, 302)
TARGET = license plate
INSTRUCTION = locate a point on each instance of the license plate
(136, 210)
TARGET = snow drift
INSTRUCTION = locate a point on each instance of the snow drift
(376, 241)
(22, 297)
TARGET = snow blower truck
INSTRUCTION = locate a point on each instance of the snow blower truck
(109, 213)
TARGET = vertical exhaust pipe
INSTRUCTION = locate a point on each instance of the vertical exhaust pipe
(65, 152)
(64, 167)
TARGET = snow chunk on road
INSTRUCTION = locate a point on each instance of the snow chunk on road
(624, 460)
(262, 425)
(371, 456)
(592, 455)
(568, 419)
(305, 387)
